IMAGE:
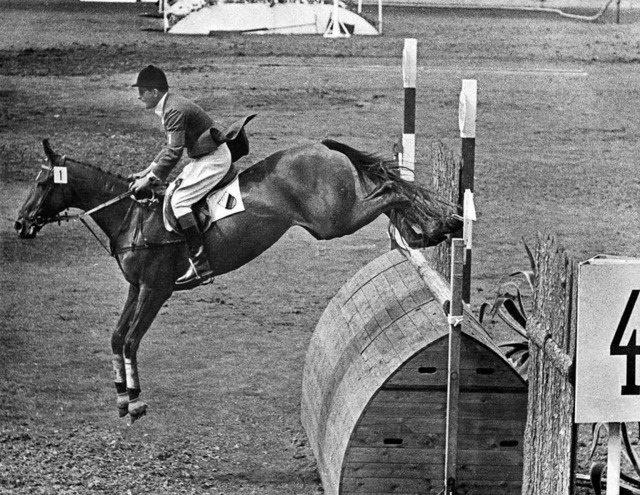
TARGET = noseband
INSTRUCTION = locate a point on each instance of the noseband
(38, 220)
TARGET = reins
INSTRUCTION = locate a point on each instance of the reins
(81, 216)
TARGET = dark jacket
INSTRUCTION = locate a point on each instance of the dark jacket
(186, 125)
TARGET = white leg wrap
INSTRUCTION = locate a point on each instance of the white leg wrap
(132, 374)
(118, 369)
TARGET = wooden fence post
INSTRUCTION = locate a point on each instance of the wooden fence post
(445, 178)
(549, 446)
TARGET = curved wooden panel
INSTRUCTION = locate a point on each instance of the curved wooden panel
(374, 392)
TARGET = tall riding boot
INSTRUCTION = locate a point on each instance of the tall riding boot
(199, 268)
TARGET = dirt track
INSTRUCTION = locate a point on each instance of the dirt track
(221, 367)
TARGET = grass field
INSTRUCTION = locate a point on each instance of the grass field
(221, 367)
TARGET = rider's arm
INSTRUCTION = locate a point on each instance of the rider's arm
(169, 156)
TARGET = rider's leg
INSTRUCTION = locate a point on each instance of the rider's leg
(196, 180)
(198, 263)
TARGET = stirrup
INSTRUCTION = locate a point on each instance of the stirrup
(192, 275)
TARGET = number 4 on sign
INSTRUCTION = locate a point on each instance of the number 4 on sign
(631, 350)
(60, 175)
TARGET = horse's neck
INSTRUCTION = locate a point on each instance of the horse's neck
(93, 187)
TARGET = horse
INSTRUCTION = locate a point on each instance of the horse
(328, 188)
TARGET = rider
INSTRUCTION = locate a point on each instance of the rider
(186, 125)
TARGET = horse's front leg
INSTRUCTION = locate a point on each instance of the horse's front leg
(117, 347)
(149, 303)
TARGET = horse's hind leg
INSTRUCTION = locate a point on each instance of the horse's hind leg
(117, 347)
(149, 303)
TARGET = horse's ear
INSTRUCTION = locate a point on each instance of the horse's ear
(51, 155)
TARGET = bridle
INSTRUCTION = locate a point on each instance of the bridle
(37, 218)
(40, 221)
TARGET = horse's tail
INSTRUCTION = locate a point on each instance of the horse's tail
(371, 167)
(415, 219)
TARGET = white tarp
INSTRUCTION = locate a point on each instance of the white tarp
(120, 1)
(265, 18)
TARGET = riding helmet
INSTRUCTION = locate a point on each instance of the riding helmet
(152, 77)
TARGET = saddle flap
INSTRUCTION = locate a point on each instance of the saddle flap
(218, 204)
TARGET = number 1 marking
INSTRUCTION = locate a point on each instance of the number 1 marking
(60, 175)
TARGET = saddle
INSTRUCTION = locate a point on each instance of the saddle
(223, 200)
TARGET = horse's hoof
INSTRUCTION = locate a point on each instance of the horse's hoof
(123, 404)
(135, 417)
(136, 411)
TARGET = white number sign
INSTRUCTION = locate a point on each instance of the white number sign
(608, 343)
(60, 175)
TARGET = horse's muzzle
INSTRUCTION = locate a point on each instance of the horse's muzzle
(25, 229)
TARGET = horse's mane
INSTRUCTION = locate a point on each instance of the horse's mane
(98, 169)
(56, 157)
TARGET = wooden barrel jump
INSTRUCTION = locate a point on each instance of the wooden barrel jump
(374, 396)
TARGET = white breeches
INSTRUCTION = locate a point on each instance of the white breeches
(198, 178)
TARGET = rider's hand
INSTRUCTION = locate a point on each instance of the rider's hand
(142, 173)
(141, 184)
(133, 177)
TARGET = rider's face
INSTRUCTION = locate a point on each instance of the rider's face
(150, 97)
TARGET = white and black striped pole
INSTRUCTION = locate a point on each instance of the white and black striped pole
(165, 15)
(407, 152)
(467, 122)
(409, 76)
